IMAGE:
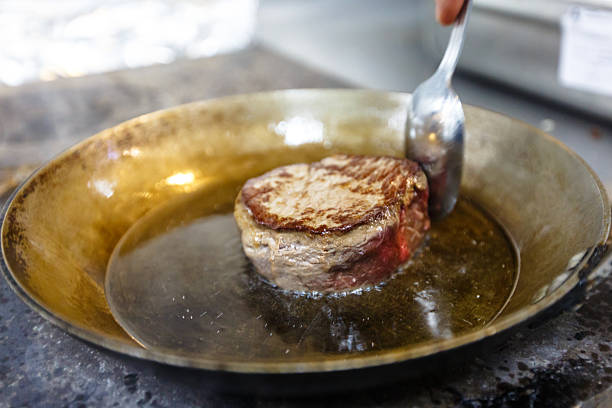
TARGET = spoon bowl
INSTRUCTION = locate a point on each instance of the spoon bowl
(435, 132)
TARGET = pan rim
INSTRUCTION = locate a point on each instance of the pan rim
(340, 363)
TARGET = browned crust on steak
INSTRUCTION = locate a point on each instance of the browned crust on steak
(336, 194)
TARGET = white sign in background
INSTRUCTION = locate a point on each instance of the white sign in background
(585, 58)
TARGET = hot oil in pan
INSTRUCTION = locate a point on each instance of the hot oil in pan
(180, 282)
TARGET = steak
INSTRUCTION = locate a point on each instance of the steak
(339, 224)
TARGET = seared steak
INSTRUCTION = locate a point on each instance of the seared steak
(334, 225)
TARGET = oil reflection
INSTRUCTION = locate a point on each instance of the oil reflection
(180, 179)
(103, 187)
(425, 299)
(300, 130)
(132, 152)
(185, 180)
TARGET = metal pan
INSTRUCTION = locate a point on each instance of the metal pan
(61, 226)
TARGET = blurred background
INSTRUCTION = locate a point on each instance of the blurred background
(69, 38)
(547, 62)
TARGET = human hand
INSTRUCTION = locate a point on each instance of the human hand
(447, 10)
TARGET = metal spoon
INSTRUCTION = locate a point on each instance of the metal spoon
(434, 135)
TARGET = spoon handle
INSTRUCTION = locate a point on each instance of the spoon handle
(455, 43)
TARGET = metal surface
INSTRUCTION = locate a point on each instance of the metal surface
(436, 125)
(56, 253)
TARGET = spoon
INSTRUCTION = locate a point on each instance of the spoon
(434, 135)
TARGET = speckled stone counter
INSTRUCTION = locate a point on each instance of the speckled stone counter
(561, 361)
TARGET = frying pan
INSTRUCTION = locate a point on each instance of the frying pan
(61, 226)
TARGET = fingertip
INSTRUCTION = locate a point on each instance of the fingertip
(447, 11)
(443, 16)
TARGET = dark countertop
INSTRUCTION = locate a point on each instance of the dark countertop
(557, 362)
